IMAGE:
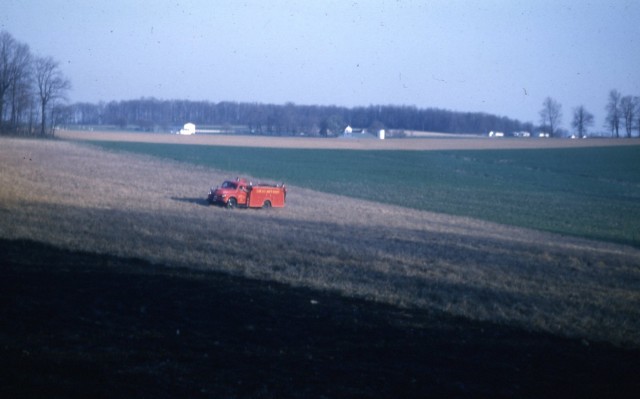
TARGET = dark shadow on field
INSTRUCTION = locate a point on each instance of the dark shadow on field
(76, 324)
(191, 200)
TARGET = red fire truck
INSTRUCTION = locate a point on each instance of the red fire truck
(243, 193)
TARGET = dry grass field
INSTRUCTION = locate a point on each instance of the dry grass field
(64, 196)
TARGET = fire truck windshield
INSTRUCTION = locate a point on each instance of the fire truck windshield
(229, 184)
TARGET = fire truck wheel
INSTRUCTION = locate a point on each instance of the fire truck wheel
(232, 203)
(267, 204)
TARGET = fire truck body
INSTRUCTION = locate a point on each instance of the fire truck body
(266, 196)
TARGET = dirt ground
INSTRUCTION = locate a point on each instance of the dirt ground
(355, 142)
(119, 280)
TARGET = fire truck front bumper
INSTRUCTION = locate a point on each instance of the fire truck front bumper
(214, 198)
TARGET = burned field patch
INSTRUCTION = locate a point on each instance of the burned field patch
(77, 324)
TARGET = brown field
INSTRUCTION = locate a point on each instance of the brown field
(434, 142)
(481, 308)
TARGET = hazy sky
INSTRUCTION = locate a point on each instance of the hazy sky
(501, 56)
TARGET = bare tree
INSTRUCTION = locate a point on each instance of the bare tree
(636, 100)
(21, 83)
(16, 81)
(613, 112)
(51, 85)
(551, 115)
(7, 49)
(582, 119)
(628, 110)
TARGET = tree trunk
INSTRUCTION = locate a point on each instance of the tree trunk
(44, 117)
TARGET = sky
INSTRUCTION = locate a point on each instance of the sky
(502, 57)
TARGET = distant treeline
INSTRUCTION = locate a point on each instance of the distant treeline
(288, 119)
